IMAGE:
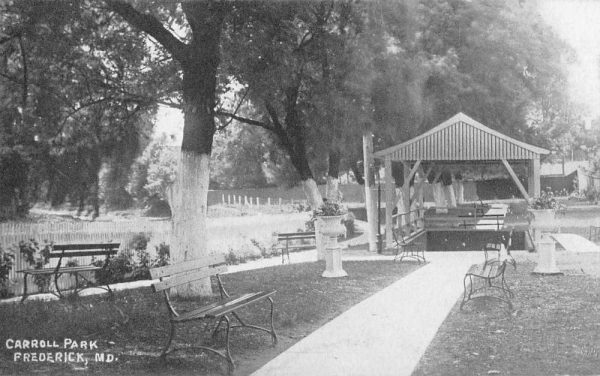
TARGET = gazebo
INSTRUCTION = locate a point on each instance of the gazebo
(458, 141)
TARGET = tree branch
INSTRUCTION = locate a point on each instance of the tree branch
(150, 25)
(244, 120)
(234, 111)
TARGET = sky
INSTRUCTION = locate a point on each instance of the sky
(578, 23)
(575, 21)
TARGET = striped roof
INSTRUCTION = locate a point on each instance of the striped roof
(461, 138)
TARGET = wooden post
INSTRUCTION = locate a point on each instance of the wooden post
(369, 196)
(533, 181)
(406, 192)
(389, 201)
(223, 198)
(228, 199)
(269, 201)
(280, 203)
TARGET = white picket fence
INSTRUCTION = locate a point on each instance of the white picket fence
(243, 200)
(223, 234)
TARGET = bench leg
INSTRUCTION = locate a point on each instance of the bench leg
(24, 288)
(469, 287)
(244, 325)
(163, 355)
(56, 276)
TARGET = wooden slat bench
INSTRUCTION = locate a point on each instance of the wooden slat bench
(62, 251)
(492, 250)
(221, 311)
(294, 241)
(406, 246)
(487, 279)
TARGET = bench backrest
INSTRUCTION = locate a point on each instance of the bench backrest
(295, 235)
(86, 249)
(187, 271)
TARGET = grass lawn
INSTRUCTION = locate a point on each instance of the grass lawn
(133, 326)
(554, 330)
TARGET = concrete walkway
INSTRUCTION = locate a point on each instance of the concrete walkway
(385, 334)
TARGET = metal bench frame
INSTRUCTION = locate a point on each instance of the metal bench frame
(290, 236)
(406, 248)
(62, 251)
(222, 311)
(483, 282)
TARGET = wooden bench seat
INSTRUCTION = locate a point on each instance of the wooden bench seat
(66, 251)
(222, 311)
(294, 241)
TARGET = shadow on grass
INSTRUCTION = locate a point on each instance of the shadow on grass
(553, 330)
(133, 325)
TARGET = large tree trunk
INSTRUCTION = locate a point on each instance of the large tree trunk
(190, 189)
(332, 190)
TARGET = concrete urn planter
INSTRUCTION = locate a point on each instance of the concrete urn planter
(330, 227)
(542, 217)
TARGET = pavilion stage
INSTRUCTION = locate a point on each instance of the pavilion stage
(471, 226)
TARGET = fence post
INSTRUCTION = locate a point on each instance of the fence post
(269, 201)
(228, 199)
(223, 198)
(279, 201)
(258, 201)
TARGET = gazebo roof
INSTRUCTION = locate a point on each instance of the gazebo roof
(461, 138)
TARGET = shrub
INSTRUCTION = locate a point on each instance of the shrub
(231, 258)
(116, 271)
(348, 222)
(163, 252)
(7, 259)
(264, 252)
(37, 257)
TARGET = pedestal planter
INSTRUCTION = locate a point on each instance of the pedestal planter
(330, 228)
(542, 216)
(546, 260)
(540, 219)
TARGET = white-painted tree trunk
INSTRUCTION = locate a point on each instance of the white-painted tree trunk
(188, 200)
(332, 189)
(311, 191)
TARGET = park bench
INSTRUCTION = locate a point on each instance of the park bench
(221, 311)
(487, 279)
(62, 251)
(294, 241)
(406, 247)
(493, 251)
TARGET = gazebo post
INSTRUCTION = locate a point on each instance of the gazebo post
(370, 198)
(533, 183)
(389, 201)
(406, 191)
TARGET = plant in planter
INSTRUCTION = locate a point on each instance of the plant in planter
(542, 208)
(545, 201)
(330, 209)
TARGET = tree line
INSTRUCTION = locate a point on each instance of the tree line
(81, 82)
